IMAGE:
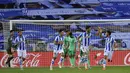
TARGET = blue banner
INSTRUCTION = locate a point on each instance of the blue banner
(7, 1)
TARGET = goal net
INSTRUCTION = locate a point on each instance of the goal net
(40, 36)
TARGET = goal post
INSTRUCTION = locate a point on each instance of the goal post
(98, 20)
(40, 35)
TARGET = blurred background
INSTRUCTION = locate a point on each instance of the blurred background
(40, 37)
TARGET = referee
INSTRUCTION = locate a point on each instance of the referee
(10, 48)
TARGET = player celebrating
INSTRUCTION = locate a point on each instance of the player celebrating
(58, 49)
(109, 46)
(84, 44)
(21, 50)
(72, 49)
(11, 47)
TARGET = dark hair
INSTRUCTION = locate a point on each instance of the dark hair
(87, 27)
(109, 32)
(67, 30)
(71, 35)
(60, 30)
(11, 31)
(19, 31)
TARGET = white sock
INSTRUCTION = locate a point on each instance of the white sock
(52, 62)
(86, 67)
(61, 60)
(104, 65)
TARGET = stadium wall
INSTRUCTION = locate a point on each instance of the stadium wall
(43, 59)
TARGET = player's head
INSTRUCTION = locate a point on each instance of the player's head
(11, 32)
(70, 34)
(88, 29)
(20, 32)
(108, 33)
(61, 32)
(67, 32)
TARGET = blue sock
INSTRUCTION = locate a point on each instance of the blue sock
(104, 61)
(52, 62)
(20, 62)
(61, 59)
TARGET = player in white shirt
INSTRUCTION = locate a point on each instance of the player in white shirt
(21, 49)
(58, 49)
(109, 47)
(84, 45)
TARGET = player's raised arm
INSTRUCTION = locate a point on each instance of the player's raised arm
(114, 44)
(99, 33)
(79, 43)
(78, 38)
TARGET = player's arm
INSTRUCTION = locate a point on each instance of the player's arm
(75, 45)
(15, 43)
(114, 45)
(99, 33)
(13, 47)
(56, 42)
(88, 36)
(79, 43)
(79, 37)
(66, 43)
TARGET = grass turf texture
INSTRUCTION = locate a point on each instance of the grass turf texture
(110, 69)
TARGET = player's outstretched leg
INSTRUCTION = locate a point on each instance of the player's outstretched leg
(86, 66)
(61, 61)
(88, 62)
(8, 60)
(79, 63)
(52, 62)
(72, 61)
(104, 63)
(21, 63)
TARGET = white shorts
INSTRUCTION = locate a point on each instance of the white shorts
(56, 52)
(22, 53)
(109, 54)
(84, 49)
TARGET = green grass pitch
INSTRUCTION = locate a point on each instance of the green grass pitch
(110, 69)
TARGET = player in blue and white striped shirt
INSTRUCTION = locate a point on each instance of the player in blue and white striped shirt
(84, 44)
(21, 49)
(109, 47)
(58, 49)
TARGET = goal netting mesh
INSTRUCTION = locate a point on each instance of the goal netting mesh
(40, 35)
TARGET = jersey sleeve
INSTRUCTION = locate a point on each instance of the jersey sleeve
(56, 39)
(24, 38)
(89, 35)
(113, 41)
(80, 39)
(104, 36)
(16, 40)
(80, 35)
